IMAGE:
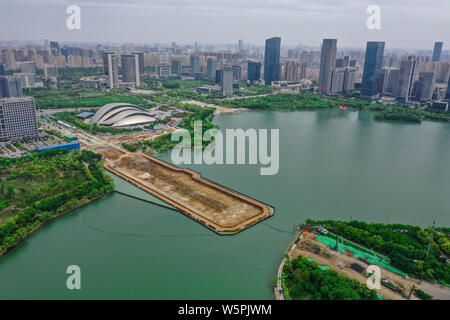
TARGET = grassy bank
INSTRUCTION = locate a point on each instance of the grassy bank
(37, 188)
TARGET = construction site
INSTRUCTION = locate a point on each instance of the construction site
(333, 252)
(221, 209)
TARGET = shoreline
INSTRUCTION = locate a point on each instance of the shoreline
(54, 217)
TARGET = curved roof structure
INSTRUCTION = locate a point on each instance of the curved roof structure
(121, 114)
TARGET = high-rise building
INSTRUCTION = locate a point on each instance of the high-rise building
(28, 67)
(113, 70)
(18, 119)
(405, 79)
(291, 71)
(54, 48)
(211, 67)
(141, 62)
(27, 80)
(327, 63)
(303, 71)
(372, 69)
(390, 79)
(447, 94)
(9, 59)
(337, 81)
(443, 72)
(240, 45)
(164, 70)
(195, 65)
(2, 69)
(105, 61)
(352, 63)
(176, 66)
(237, 73)
(219, 73)
(51, 73)
(349, 79)
(253, 71)
(437, 51)
(425, 86)
(227, 81)
(130, 68)
(272, 60)
(10, 87)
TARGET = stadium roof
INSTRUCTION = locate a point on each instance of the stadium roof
(121, 114)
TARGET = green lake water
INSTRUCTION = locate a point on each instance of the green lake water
(334, 164)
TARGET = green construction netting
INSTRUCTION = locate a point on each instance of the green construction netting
(323, 268)
(359, 254)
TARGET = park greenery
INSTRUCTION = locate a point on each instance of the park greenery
(78, 97)
(304, 280)
(405, 245)
(39, 187)
(164, 143)
(314, 101)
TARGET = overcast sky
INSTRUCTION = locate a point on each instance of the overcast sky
(404, 23)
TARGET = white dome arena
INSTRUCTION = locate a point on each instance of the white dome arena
(121, 115)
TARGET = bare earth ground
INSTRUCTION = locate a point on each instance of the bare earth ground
(341, 263)
(222, 208)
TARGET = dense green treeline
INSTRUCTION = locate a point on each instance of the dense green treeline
(405, 245)
(309, 100)
(37, 187)
(304, 280)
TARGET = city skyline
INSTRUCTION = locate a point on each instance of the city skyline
(156, 21)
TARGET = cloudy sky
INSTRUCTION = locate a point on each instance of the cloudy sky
(404, 23)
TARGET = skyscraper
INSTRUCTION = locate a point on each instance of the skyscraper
(113, 69)
(10, 87)
(227, 81)
(176, 66)
(272, 60)
(2, 69)
(327, 63)
(105, 61)
(18, 119)
(425, 86)
(447, 94)
(372, 69)
(390, 79)
(195, 65)
(437, 51)
(240, 45)
(237, 73)
(130, 68)
(141, 62)
(54, 48)
(303, 71)
(405, 78)
(28, 67)
(337, 81)
(253, 71)
(291, 71)
(349, 79)
(211, 66)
